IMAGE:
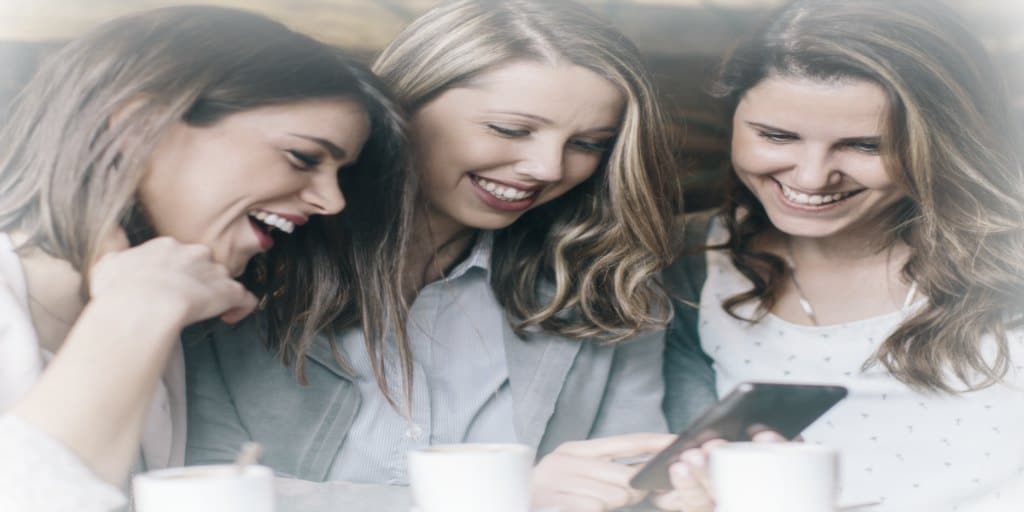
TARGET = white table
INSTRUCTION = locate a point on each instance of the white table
(304, 496)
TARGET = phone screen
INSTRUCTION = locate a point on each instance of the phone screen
(750, 408)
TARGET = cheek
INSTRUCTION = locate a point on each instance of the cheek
(756, 157)
(870, 173)
(579, 167)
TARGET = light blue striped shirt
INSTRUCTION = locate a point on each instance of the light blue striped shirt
(460, 377)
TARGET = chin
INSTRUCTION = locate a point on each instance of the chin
(491, 223)
(805, 228)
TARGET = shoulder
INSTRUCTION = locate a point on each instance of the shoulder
(685, 276)
(241, 347)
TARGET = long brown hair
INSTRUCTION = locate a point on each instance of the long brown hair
(950, 145)
(602, 243)
(67, 174)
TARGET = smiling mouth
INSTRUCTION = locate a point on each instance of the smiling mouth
(804, 199)
(503, 192)
(272, 222)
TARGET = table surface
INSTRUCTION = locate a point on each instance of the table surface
(305, 496)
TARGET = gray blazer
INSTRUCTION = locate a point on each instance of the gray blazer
(562, 390)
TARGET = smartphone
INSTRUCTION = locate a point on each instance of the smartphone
(750, 408)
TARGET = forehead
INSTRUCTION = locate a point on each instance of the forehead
(567, 94)
(333, 113)
(840, 108)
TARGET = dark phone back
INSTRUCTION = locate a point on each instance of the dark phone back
(750, 408)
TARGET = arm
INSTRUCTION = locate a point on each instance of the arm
(39, 474)
(94, 396)
(36, 472)
(584, 475)
(215, 430)
(689, 377)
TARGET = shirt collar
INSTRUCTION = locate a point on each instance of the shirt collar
(479, 256)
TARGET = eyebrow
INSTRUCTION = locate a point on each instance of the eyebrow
(336, 152)
(844, 140)
(546, 121)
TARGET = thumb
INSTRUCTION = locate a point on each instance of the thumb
(113, 241)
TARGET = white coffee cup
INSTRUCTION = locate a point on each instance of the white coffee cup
(221, 488)
(471, 477)
(774, 477)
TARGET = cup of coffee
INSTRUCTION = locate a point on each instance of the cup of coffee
(774, 477)
(219, 488)
(471, 477)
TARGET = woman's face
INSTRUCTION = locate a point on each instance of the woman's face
(230, 184)
(809, 151)
(513, 138)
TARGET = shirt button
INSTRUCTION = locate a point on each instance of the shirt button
(414, 432)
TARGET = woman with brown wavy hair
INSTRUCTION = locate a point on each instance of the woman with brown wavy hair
(166, 168)
(544, 216)
(875, 239)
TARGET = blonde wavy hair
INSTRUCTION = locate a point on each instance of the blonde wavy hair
(948, 142)
(602, 244)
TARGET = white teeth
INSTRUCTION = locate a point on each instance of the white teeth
(812, 199)
(505, 193)
(273, 220)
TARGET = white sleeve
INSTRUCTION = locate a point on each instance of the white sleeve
(37, 473)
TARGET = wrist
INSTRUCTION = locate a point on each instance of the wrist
(151, 315)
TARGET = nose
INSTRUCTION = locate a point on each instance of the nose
(543, 162)
(817, 170)
(324, 194)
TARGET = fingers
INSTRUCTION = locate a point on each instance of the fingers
(581, 476)
(768, 436)
(610, 495)
(692, 488)
(115, 241)
(614, 447)
(570, 503)
(247, 305)
(573, 468)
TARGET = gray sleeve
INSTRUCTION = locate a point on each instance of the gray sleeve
(689, 376)
(634, 392)
(215, 431)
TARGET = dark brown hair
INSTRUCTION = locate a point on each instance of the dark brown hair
(948, 142)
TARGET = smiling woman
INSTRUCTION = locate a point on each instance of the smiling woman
(148, 165)
(874, 238)
(544, 213)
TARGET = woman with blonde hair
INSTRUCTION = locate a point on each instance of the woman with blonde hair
(874, 239)
(547, 192)
(166, 168)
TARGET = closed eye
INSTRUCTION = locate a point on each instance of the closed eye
(777, 136)
(506, 131)
(302, 160)
(865, 146)
(592, 146)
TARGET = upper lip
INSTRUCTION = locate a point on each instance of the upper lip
(823, 193)
(526, 188)
(294, 218)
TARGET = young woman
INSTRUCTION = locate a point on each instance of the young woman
(546, 196)
(874, 239)
(148, 170)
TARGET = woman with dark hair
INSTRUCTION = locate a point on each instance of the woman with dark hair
(875, 239)
(544, 215)
(170, 167)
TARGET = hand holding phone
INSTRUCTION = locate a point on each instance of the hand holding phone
(751, 408)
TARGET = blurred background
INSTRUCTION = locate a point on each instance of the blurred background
(682, 41)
